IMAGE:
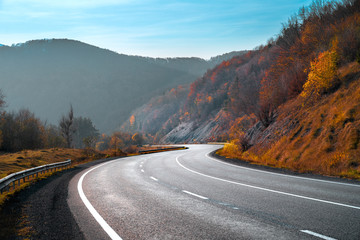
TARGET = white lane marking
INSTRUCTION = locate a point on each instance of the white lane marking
(280, 174)
(266, 189)
(142, 170)
(317, 235)
(195, 195)
(155, 179)
(112, 234)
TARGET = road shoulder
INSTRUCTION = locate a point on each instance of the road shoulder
(41, 210)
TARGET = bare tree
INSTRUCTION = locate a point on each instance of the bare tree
(66, 127)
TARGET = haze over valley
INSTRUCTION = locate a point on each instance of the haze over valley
(46, 76)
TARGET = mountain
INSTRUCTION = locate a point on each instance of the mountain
(203, 110)
(293, 103)
(46, 76)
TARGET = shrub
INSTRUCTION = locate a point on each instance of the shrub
(322, 76)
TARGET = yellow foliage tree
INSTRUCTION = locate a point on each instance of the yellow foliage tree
(132, 120)
(322, 75)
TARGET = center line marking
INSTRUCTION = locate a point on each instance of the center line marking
(317, 235)
(266, 189)
(155, 179)
(195, 195)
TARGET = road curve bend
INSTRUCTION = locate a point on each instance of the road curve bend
(188, 194)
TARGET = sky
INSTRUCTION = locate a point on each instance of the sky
(154, 28)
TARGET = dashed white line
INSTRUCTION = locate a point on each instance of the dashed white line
(155, 179)
(112, 234)
(142, 170)
(195, 195)
(266, 189)
(224, 204)
(317, 235)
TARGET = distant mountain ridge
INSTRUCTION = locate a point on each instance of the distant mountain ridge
(46, 76)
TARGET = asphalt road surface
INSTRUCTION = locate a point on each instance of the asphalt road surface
(187, 194)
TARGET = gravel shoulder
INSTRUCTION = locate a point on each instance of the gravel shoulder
(41, 210)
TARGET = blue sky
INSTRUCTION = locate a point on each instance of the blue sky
(156, 28)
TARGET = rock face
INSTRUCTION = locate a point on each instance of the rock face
(180, 134)
(261, 136)
(192, 132)
(187, 132)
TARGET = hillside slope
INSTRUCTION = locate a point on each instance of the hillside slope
(293, 103)
(323, 137)
(204, 110)
(47, 76)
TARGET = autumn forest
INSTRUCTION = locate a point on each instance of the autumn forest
(291, 103)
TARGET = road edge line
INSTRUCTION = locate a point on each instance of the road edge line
(267, 189)
(317, 235)
(281, 174)
(112, 234)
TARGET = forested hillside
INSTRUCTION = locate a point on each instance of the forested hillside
(287, 103)
(46, 76)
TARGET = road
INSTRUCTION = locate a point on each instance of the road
(187, 194)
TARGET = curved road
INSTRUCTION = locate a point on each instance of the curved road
(189, 195)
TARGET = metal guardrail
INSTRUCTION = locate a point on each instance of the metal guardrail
(12, 178)
(161, 149)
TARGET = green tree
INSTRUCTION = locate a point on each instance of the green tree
(30, 131)
(53, 137)
(20, 131)
(85, 129)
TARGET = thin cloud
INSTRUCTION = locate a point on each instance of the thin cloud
(148, 27)
(67, 3)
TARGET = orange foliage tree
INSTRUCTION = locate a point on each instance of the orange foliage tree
(322, 75)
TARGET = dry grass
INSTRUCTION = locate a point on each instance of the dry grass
(230, 150)
(326, 137)
(14, 162)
